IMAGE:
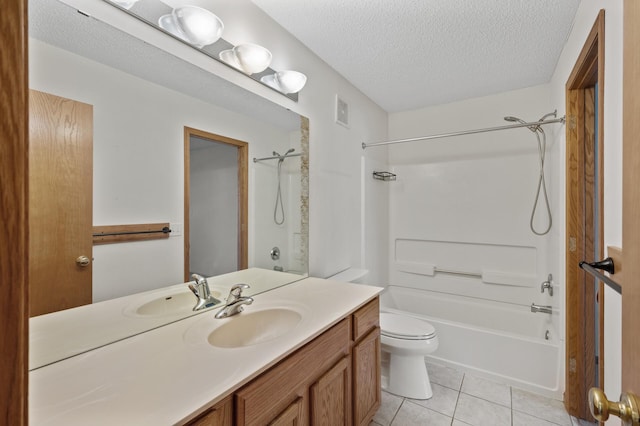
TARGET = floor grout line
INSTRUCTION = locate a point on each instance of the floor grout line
(458, 397)
(397, 411)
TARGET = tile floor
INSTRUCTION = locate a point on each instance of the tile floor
(461, 399)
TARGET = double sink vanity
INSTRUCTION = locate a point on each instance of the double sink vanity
(302, 353)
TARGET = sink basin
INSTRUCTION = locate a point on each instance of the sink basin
(168, 304)
(251, 328)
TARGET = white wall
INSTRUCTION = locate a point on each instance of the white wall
(213, 208)
(139, 161)
(584, 20)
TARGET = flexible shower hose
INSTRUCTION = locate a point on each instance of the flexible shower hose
(542, 185)
(278, 199)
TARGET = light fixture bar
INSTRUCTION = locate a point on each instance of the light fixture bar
(149, 13)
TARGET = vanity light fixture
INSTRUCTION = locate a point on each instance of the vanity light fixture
(287, 81)
(202, 29)
(248, 58)
(125, 4)
(193, 24)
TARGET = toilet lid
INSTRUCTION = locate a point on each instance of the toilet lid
(405, 327)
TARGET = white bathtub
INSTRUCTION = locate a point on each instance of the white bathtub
(499, 341)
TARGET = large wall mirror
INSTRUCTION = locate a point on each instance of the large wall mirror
(166, 137)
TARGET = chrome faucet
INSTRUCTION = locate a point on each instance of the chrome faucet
(545, 309)
(235, 302)
(547, 285)
(202, 292)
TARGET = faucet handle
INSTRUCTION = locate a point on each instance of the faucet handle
(194, 289)
(236, 290)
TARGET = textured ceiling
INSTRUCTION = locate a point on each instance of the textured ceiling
(407, 54)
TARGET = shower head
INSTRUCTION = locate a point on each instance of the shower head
(521, 121)
(275, 153)
(290, 151)
(514, 119)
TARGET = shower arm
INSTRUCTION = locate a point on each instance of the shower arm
(465, 132)
(276, 157)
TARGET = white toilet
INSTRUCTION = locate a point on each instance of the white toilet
(407, 340)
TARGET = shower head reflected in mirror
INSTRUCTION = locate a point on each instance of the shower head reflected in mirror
(521, 121)
(514, 119)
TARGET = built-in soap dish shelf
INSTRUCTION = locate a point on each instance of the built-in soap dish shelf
(386, 176)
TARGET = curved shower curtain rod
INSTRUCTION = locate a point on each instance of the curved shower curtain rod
(465, 132)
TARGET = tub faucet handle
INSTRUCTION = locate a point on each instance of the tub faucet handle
(547, 285)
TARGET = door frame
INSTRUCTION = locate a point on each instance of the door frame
(243, 193)
(14, 246)
(580, 340)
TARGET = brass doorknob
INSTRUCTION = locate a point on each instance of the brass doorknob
(627, 408)
(83, 261)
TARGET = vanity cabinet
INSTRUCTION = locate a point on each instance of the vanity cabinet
(292, 382)
(332, 380)
(366, 363)
(219, 415)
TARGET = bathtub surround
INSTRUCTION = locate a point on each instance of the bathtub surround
(460, 240)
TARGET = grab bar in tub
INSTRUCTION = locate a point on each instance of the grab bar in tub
(454, 272)
(545, 309)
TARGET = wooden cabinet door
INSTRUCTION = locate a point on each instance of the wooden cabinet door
(366, 378)
(291, 416)
(60, 203)
(331, 396)
(220, 415)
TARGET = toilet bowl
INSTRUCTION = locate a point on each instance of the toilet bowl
(406, 340)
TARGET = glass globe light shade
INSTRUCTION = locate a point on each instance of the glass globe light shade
(290, 81)
(125, 4)
(193, 24)
(252, 58)
(228, 57)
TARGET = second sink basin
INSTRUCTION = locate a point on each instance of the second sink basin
(166, 304)
(250, 328)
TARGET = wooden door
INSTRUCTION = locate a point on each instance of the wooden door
(330, 396)
(630, 282)
(220, 415)
(60, 202)
(631, 200)
(291, 416)
(366, 378)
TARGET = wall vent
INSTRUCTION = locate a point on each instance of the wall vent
(342, 112)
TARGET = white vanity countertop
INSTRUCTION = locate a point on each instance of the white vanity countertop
(102, 323)
(162, 376)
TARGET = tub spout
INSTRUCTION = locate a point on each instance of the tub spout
(545, 309)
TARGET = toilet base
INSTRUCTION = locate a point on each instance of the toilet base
(406, 376)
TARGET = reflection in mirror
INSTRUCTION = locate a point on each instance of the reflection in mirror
(140, 102)
(206, 35)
